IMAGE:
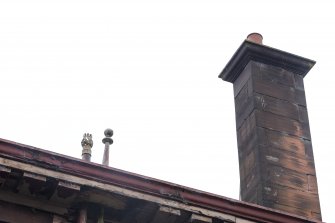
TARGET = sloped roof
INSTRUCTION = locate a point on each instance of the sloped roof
(122, 192)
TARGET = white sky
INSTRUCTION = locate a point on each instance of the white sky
(148, 70)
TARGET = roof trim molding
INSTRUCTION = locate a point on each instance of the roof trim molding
(252, 51)
(125, 180)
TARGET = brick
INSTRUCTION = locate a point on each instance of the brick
(276, 106)
(273, 74)
(282, 124)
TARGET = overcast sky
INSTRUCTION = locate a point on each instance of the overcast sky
(149, 70)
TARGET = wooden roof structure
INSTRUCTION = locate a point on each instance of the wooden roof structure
(44, 186)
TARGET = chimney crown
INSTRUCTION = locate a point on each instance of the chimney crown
(256, 38)
(251, 51)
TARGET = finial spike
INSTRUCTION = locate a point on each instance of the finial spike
(107, 141)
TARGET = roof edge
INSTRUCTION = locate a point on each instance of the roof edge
(252, 51)
(151, 186)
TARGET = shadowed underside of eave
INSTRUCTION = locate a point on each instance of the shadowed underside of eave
(61, 186)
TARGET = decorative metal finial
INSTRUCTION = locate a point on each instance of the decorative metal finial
(87, 144)
(107, 141)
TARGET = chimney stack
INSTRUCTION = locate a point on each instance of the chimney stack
(274, 142)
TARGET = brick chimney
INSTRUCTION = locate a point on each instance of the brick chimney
(274, 142)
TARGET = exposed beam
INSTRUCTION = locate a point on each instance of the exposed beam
(20, 199)
(66, 189)
(35, 182)
(111, 200)
(112, 188)
(4, 169)
(195, 218)
(4, 172)
(166, 215)
(69, 185)
(19, 214)
(57, 219)
(132, 210)
(232, 208)
(34, 177)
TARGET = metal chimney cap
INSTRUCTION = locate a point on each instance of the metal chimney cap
(255, 38)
